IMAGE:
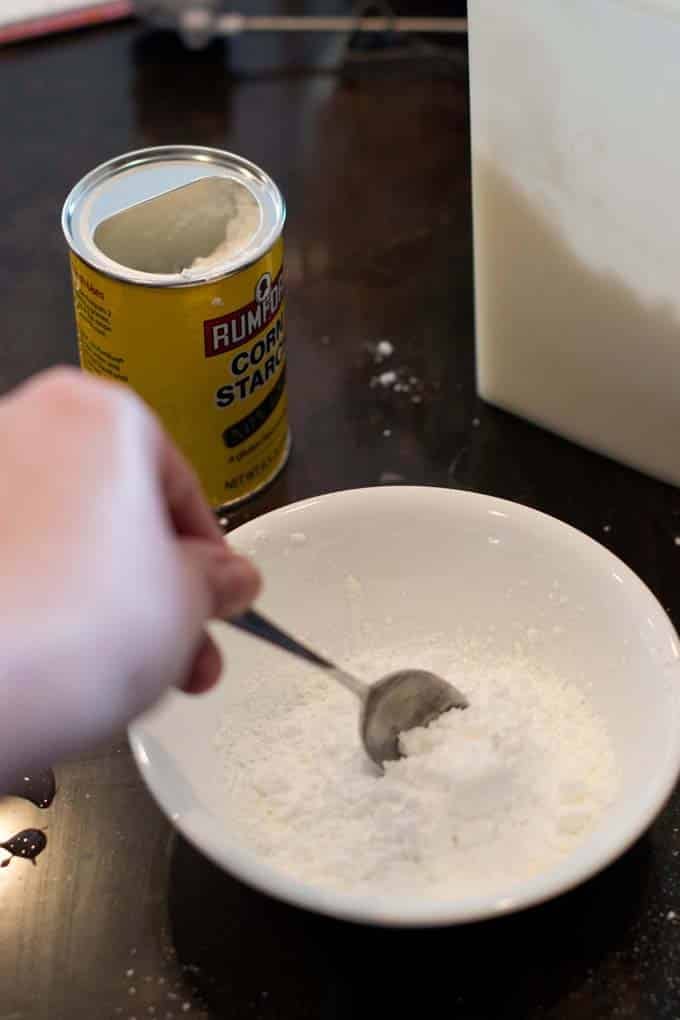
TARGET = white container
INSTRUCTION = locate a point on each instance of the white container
(576, 180)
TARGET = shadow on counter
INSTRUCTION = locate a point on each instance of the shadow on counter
(179, 90)
(251, 956)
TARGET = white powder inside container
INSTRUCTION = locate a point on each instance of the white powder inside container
(241, 222)
(484, 797)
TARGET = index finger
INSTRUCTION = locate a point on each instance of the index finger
(187, 506)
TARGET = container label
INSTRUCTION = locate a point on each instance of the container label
(210, 360)
(228, 331)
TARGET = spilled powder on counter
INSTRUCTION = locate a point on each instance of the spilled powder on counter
(385, 379)
(383, 349)
(484, 797)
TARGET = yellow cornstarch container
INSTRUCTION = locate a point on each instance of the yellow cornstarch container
(177, 266)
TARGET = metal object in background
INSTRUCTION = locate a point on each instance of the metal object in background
(200, 21)
(194, 20)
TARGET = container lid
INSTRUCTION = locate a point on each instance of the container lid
(173, 216)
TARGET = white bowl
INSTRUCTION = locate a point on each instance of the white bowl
(426, 557)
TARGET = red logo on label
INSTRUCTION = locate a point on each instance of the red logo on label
(237, 328)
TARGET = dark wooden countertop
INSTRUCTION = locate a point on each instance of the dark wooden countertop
(121, 918)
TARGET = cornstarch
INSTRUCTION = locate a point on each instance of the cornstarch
(483, 797)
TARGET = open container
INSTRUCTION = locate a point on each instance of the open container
(177, 268)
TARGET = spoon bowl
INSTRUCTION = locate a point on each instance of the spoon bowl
(400, 702)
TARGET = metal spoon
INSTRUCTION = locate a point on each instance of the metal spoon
(395, 704)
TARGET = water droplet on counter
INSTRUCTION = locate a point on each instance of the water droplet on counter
(29, 844)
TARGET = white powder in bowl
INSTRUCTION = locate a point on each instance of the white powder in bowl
(484, 797)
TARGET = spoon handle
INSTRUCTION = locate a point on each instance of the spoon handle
(260, 626)
(255, 623)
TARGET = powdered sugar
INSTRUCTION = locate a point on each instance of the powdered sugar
(484, 797)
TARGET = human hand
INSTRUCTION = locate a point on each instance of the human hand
(110, 564)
